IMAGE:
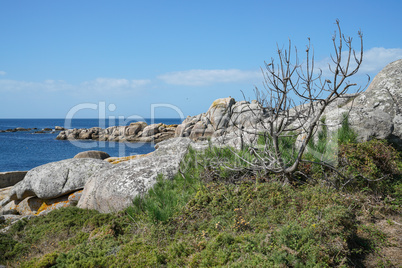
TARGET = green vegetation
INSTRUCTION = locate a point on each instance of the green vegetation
(217, 216)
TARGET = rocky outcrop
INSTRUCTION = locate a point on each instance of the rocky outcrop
(106, 187)
(115, 188)
(224, 116)
(377, 112)
(36, 206)
(117, 160)
(18, 129)
(34, 130)
(93, 154)
(55, 179)
(48, 187)
(135, 132)
(5, 192)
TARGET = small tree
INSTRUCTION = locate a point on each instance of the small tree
(282, 119)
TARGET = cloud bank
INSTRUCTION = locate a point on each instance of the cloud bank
(208, 77)
(98, 85)
(374, 60)
(113, 84)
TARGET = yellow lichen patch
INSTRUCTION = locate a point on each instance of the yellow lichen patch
(74, 195)
(221, 103)
(52, 206)
(29, 205)
(116, 160)
(48, 205)
(168, 126)
(43, 207)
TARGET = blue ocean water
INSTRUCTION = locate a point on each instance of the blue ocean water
(26, 150)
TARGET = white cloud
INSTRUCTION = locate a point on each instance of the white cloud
(105, 84)
(374, 60)
(208, 77)
(98, 85)
(48, 85)
(3, 73)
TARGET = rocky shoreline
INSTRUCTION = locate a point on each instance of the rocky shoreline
(33, 130)
(135, 132)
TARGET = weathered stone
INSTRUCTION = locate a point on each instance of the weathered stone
(56, 179)
(134, 128)
(198, 130)
(58, 128)
(5, 192)
(114, 189)
(246, 115)
(85, 134)
(29, 206)
(62, 136)
(37, 206)
(384, 98)
(220, 112)
(92, 154)
(151, 130)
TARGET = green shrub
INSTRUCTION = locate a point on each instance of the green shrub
(7, 244)
(169, 196)
(346, 134)
(373, 166)
(287, 147)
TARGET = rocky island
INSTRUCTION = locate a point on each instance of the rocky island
(135, 132)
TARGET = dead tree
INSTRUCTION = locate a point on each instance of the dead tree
(294, 98)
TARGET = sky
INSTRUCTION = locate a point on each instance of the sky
(127, 58)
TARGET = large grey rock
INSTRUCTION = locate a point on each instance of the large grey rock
(385, 91)
(92, 154)
(5, 192)
(375, 113)
(151, 130)
(246, 115)
(134, 128)
(220, 112)
(56, 179)
(114, 189)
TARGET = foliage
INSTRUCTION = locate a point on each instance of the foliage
(372, 166)
(168, 196)
(345, 133)
(287, 147)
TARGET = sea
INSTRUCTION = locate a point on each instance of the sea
(24, 150)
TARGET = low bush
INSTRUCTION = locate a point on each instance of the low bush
(373, 166)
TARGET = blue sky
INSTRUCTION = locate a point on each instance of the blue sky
(178, 56)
